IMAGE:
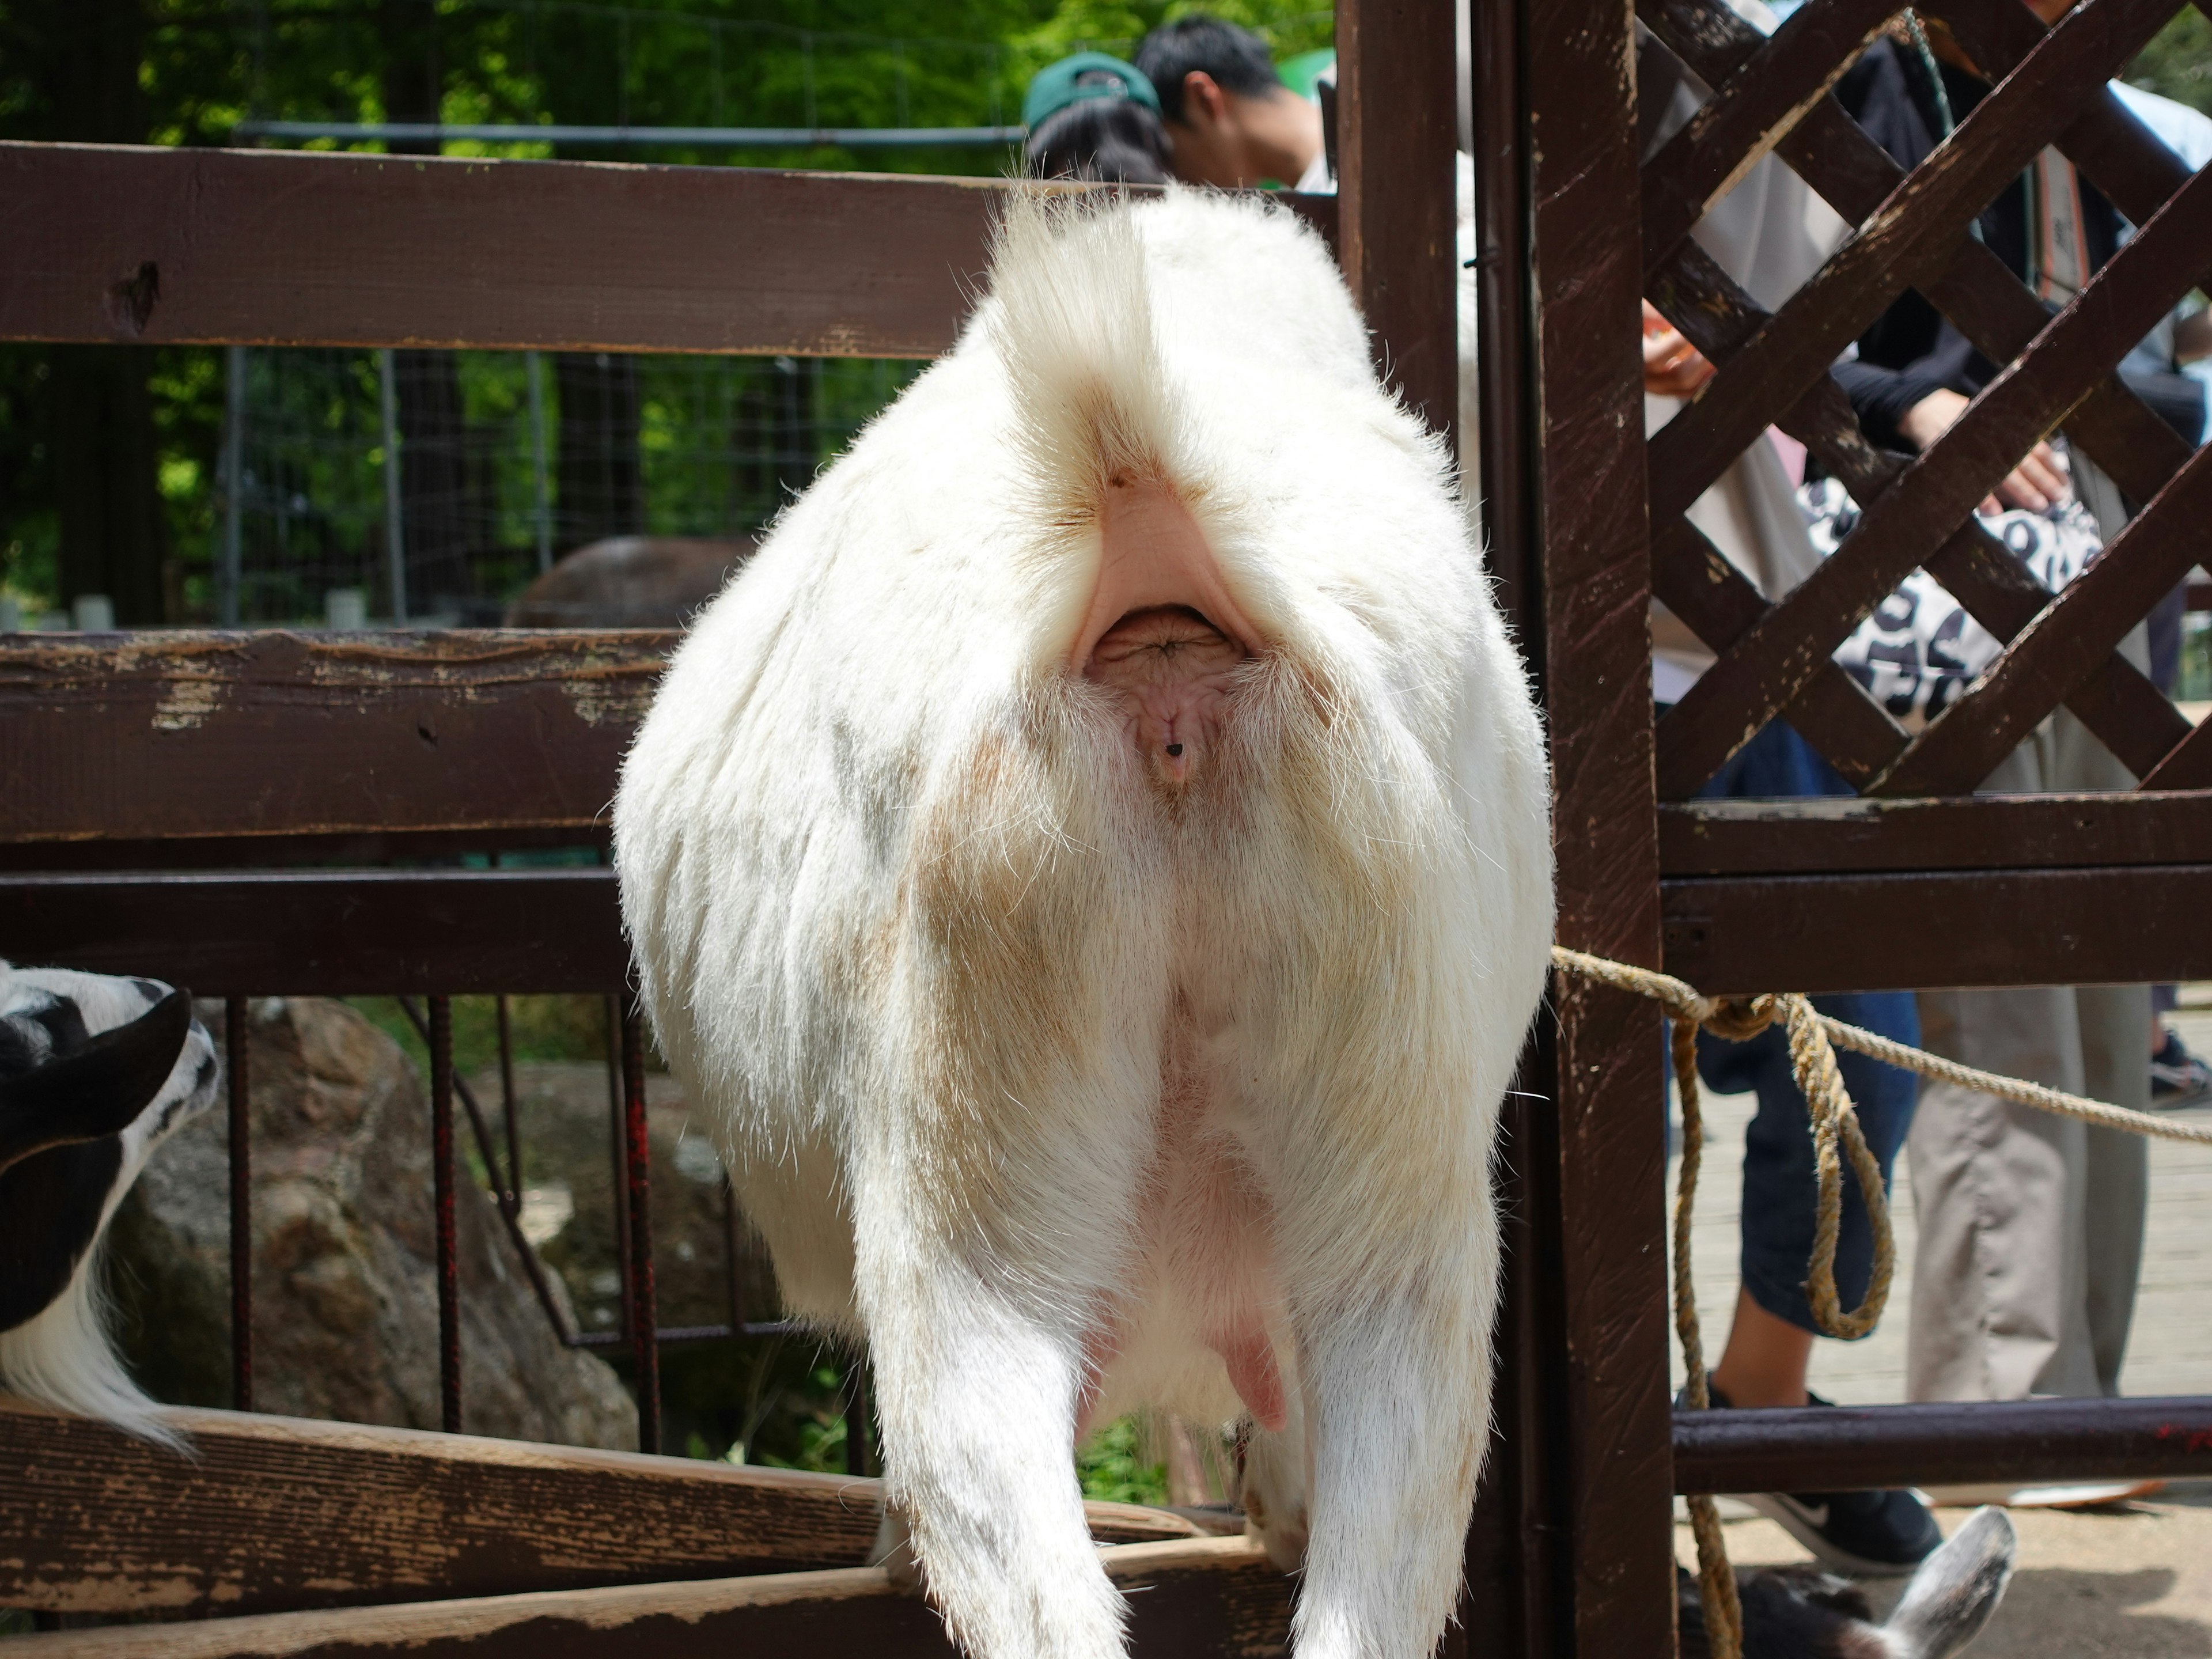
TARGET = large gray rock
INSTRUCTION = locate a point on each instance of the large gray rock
(565, 1118)
(345, 1294)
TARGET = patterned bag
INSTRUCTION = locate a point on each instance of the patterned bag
(1919, 650)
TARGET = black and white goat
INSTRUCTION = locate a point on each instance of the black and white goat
(95, 1071)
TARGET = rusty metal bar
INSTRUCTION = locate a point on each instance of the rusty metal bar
(508, 1202)
(637, 1172)
(1850, 1448)
(234, 1020)
(507, 1102)
(441, 1169)
(678, 1336)
(611, 1016)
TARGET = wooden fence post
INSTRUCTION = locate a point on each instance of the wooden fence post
(1396, 120)
(1592, 538)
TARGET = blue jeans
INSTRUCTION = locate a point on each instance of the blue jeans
(1779, 1185)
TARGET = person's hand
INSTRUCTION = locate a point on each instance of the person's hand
(2037, 483)
(1673, 367)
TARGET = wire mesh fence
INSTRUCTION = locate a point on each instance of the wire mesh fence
(431, 487)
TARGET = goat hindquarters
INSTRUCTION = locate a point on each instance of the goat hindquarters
(1093, 863)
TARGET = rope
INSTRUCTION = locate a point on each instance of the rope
(1836, 1136)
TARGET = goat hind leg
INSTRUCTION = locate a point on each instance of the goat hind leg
(978, 1397)
(1396, 1383)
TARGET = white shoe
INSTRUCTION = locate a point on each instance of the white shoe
(2072, 1495)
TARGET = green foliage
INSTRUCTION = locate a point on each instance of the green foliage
(1116, 1465)
(543, 1028)
(2178, 62)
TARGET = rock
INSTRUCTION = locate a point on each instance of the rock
(629, 581)
(564, 1117)
(345, 1296)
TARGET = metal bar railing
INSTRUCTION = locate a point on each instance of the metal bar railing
(641, 1305)
(441, 1175)
(241, 1207)
(1846, 1448)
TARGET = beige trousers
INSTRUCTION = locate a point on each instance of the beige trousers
(2031, 1226)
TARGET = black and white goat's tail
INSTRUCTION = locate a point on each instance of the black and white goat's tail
(1804, 1613)
(1955, 1591)
(77, 1122)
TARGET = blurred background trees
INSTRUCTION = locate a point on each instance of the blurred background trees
(110, 457)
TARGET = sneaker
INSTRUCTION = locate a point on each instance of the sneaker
(2177, 1078)
(2071, 1495)
(1869, 1535)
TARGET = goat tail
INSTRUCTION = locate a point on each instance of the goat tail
(63, 1357)
(1072, 321)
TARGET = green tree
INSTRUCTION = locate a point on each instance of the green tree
(2178, 62)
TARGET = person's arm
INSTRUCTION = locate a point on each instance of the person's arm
(1913, 405)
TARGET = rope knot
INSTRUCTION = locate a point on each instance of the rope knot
(1741, 1019)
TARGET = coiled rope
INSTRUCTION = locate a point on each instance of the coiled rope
(1836, 1135)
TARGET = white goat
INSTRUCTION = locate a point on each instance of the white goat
(1095, 862)
(95, 1071)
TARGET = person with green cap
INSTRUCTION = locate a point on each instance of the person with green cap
(1094, 117)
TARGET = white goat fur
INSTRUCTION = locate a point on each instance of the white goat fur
(1048, 1076)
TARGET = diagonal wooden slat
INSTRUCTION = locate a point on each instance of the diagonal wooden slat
(1908, 523)
(2118, 704)
(2122, 157)
(1975, 290)
(1773, 88)
(1964, 744)
(2189, 765)
(1834, 712)
(2112, 426)
(1912, 233)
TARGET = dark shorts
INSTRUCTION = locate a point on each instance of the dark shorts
(1779, 1185)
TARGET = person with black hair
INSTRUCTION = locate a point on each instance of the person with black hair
(1229, 118)
(1095, 117)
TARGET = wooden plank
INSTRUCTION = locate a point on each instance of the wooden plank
(1865, 1447)
(273, 1513)
(1213, 1596)
(2079, 629)
(1739, 935)
(1780, 81)
(182, 734)
(1913, 235)
(1993, 832)
(1614, 1560)
(1396, 121)
(269, 247)
(324, 933)
(1911, 520)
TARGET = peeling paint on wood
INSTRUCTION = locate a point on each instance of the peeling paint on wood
(170, 736)
(272, 1512)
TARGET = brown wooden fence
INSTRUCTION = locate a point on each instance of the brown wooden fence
(162, 796)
